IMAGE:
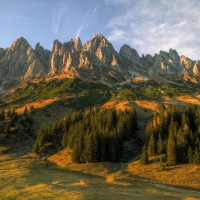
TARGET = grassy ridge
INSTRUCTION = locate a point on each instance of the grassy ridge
(152, 90)
(83, 93)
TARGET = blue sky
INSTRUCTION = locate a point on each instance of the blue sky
(146, 25)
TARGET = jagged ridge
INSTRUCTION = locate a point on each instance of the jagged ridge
(96, 60)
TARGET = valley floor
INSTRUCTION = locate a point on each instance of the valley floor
(27, 178)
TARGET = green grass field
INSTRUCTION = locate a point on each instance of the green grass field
(26, 178)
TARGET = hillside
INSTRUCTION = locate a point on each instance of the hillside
(91, 110)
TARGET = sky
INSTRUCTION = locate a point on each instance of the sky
(147, 26)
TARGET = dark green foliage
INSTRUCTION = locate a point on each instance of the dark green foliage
(196, 159)
(32, 109)
(2, 114)
(171, 150)
(2, 127)
(160, 148)
(95, 135)
(144, 156)
(162, 164)
(181, 129)
(82, 94)
(152, 146)
(190, 155)
(25, 111)
(182, 146)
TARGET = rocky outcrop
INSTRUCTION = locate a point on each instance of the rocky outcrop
(97, 59)
(43, 55)
(131, 59)
(20, 62)
(2, 51)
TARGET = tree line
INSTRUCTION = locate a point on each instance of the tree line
(180, 128)
(95, 135)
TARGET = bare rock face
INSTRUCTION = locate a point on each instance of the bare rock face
(2, 51)
(97, 59)
(43, 55)
(99, 51)
(131, 59)
(21, 62)
(90, 61)
(64, 56)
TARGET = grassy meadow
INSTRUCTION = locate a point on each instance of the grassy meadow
(27, 178)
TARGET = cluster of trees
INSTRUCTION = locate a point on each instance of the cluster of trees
(180, 129)
(11, 116)
(10, 119)
(93, 135)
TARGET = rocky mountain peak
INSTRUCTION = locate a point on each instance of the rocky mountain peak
(96, 59)
(56, 45)
(2, 51)
(174, 55)
(77, 44)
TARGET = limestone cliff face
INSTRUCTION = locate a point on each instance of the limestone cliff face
(131, 59)
(64, 56)
(2, 51)
(172, 64)
(43, 55)
(20, 62)
(97, 59)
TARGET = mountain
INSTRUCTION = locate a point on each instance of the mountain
(96, 60)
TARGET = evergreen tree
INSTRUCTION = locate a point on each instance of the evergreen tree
(36, 147)
(190, 155)
(2, 114)
(171, 150)
(8, 113)
(7, 128)
(160, 149)
(152, 146)
(182, 146)
(144, 156)
(196, 159)
(32, 109)
(25, 111)
(162, 164)
(64, 139)
(1, 127)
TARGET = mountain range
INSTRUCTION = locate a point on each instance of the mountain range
(97, 60)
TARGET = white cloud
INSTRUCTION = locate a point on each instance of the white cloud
(57, 14)
(85, 18)
(150, 26)
(95, 10)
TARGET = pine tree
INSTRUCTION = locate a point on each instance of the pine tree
(162, 164)
(190, 155)
(196, 159)
(2, 114)
(32, 109)
(182, 146)
(144, 156)
(160, 149)
(152, 146)
(36, 147)
(64, 139)
(171, 150)
(1, 127)
(25, 111)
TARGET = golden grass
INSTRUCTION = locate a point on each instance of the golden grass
(189, 99)
(28, 179)
(36, 104)
(186, 175)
